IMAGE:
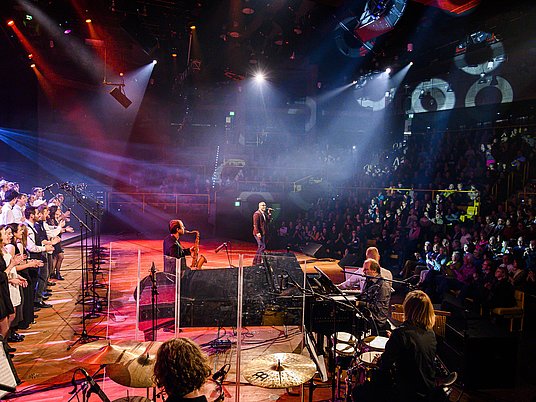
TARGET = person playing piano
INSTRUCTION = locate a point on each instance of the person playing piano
(375, 297)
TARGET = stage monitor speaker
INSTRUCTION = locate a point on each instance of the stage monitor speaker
(313, 249)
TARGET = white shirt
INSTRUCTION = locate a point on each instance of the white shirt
(6, 217)
(18, 214)
(30, 245)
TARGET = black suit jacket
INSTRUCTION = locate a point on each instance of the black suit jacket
(173, 248)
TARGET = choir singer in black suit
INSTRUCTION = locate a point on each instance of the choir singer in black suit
(261, 219)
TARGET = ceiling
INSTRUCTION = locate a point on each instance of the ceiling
(235, 37)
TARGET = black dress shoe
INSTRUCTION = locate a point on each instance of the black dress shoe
(24, 326)
(11, 355)
(60, 278)
(10, 349)
(42, 304)
(45, 297)
(14, 337)
(51, 283)
(36, 308)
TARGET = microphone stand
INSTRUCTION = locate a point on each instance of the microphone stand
(85, 231)
(154, 303)
(409, 285)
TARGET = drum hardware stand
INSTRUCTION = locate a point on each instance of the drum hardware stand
(88, 387)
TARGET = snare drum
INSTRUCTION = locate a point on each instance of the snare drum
(346, 344)
(375, 342)
(369, 359)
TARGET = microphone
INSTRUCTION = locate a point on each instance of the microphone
(49, 186)
(224, 244)
(222, 372)
(94, 387)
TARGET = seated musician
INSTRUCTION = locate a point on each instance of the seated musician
(406, 368)
(357, 280)
(375, 297)
(181, 369)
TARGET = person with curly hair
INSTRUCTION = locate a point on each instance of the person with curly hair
(181, 369)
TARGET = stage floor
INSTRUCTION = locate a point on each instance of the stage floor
(45, 364)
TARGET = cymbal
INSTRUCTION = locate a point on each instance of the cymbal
(132, 399)
(279, 370)
(140, 348)
(103, 352)
(136, 373)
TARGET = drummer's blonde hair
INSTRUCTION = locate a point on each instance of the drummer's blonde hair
(418, 309)
(181, 367)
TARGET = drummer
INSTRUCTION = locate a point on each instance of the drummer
(181, 369)
(406, 368)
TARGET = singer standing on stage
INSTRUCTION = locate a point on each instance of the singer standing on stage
(181, 369)
(173, 249)
(261, 219)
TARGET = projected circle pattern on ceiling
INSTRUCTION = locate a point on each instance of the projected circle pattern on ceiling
(479, 53)
(483, 93)
(431, 96)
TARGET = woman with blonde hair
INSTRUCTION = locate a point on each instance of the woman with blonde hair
(407, 368)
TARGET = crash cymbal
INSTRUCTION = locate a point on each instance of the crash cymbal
(140, 348)
(103, 352)
(279, 370)
(132, 399)
(136, 373)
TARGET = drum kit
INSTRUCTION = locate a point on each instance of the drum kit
(127, 363)
(355, 360)
(131, 364)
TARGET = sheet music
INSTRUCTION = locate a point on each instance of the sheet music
(379, 342)
(6, 373)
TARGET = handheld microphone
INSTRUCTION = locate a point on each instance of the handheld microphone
(94, 387)
(224, 244)
(222, 372)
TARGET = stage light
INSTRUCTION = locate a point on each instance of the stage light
(88, 20)
(410, 63)
(32, 65)
(30, 56)
(259, 77)
(67, 31)
(154, 62)
(10, 23)
(173, 54)
(388, 70)
(193, 27)
(28, 17)
(119, 96)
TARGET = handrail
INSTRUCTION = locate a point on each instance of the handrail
(136, 197)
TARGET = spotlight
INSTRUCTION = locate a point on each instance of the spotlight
(154, 62)
(259, 77)
(10, 23)
(119, 96)
(388, 70)
(193, 27)
(32, 65)
(30, 56)
(67, 31)
(88, 20)
(410, 63)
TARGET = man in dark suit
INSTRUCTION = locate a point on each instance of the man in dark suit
(261, 218)
(172, 247)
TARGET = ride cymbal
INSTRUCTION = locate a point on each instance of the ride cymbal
(279, 370)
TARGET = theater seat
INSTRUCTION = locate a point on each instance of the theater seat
(440, 322)
(511, 313)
